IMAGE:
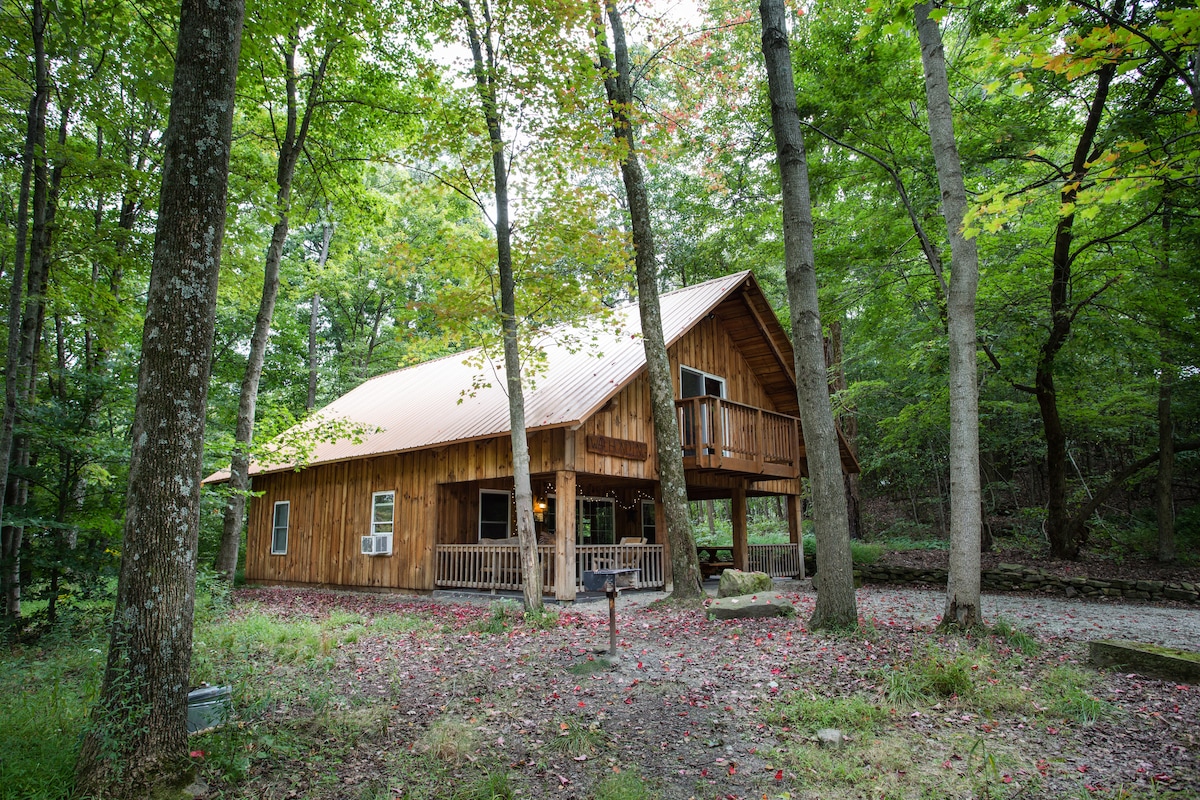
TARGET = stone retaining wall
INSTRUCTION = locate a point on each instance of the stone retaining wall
(1014, 577)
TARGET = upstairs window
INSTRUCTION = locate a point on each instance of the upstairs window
(279, 528)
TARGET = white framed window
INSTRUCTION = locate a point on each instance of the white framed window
(383, 524)
(279, 527)
(495, 514)
(649, 521)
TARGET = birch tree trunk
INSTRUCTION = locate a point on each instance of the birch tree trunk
(135, 742)
(485, 75)
(295, 135)
(685, 567)
(962, 589)
(835, 606)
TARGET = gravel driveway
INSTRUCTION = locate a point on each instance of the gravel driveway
(1074, 619)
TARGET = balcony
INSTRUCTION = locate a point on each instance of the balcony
(730, 437)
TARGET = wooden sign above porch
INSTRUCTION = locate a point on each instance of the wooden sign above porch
(621, 448)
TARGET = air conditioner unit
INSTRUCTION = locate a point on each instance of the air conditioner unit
(376, 545)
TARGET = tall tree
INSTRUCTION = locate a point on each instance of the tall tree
(136, 738)
(962, 589)
(483, 43)
(835, 605)
(298, 118)
(33, 171)
(615, 64)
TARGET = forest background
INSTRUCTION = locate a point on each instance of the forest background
(359, 150)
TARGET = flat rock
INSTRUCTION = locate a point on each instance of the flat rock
(751, 606)
(1147, 659)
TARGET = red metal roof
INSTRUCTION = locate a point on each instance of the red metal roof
(430, 404)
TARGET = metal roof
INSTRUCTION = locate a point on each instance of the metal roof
(431, 404)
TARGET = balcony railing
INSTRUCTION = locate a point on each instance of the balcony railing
(717, 434)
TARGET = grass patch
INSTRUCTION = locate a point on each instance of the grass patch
(493, 786)
(45, 694)
(591, 666)
(1067, 691)
(542, 619)
(578, 739)
(450, 741)
(1015, 637)
(503, 615)
(855, 712)
(398, 623)
(626, 785)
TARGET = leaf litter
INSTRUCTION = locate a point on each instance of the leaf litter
(693, 705)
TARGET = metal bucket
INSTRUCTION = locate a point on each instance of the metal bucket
(208, 707)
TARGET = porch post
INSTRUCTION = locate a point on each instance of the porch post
(564, 535)
(660, 535)
(737, 510)
(794, 517)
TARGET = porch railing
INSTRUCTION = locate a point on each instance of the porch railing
(645, 557)
(497, 567)
(777, 560)
(719, 434)
(489, 566)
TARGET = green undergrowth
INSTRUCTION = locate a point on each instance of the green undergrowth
(46, 690)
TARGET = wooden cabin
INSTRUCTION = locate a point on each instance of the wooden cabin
(423, 500)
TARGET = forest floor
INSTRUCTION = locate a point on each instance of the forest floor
(377, 696)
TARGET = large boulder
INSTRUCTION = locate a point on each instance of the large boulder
(751, 606)
(735, 583)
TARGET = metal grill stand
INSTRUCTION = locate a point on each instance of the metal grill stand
(610, 581)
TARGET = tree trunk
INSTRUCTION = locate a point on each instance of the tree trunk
(614, 63)
(835, 363)
(1163, 494)
(1166, 469)
(835, 578)
(35, 146)
(135, 741)
(1065, 537)
(962, 588)
(485, 74)
(295, 135)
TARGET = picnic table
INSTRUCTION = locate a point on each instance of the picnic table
(713, 560)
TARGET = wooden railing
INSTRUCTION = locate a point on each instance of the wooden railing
(497, 567)
(489, 566)
(777, 560)
(719, 434)
(645, 557)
